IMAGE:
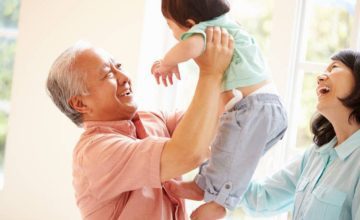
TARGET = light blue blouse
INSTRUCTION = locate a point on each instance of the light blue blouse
(323, 184)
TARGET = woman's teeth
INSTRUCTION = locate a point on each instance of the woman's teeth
(323, 90)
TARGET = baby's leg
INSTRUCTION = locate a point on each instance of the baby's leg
(245, 133)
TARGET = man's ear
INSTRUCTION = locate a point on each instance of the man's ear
(77, 103)
(190, 23)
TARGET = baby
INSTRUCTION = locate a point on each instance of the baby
(253, 117)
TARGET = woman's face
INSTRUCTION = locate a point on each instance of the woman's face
(337, 82)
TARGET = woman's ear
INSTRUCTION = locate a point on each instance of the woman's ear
(77, 103)
(190, 23)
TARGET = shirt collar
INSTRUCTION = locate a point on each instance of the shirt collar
(125, 127)
(327, 150)
(343, 150)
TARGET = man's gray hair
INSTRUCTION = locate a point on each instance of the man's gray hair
(65, 81)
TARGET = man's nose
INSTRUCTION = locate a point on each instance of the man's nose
(322, 77)
(122, 78)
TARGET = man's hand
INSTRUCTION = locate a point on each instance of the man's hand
(218, 53)
(164, 72)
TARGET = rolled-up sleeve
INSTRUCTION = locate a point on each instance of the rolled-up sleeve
(114, 164)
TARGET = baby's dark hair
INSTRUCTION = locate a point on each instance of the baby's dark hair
(197, 10)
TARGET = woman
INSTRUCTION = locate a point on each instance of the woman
(325, 182)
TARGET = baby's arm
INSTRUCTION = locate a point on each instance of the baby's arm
(190, 48)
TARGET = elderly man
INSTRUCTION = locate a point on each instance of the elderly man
(124, 155)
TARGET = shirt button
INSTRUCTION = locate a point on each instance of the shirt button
(227, 186)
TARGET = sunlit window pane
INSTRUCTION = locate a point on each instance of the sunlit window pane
(9, 13)
(3, 130)
(256, 17)
(307, 109)
(329, 27)
(7, 51)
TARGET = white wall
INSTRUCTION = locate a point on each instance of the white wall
(40, 140)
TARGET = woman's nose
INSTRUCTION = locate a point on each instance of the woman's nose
(322, 77)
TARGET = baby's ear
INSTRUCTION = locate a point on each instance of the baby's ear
(190, 23)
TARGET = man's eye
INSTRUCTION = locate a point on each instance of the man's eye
(110, 75)
(118, 66)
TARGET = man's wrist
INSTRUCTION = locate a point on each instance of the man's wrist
(210, 75)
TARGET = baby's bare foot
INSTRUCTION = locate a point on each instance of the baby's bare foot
(209, 211)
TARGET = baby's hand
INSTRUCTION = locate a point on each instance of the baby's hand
(159, 70)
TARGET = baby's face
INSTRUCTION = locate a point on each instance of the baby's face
(177, 29)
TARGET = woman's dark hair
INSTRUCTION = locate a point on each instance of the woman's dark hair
(321, 127)
(197, 10)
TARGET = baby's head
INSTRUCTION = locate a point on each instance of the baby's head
(181, 15)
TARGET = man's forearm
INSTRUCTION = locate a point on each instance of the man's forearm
(192, 137)
(197, 128)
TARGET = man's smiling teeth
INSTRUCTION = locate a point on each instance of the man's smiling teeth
(125, 93)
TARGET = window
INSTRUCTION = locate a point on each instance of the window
(9, 12)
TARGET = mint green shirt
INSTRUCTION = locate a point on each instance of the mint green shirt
(322, 185)
(247, 66)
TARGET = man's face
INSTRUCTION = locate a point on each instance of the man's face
(109, 90)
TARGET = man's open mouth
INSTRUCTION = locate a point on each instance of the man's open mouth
(126, 93)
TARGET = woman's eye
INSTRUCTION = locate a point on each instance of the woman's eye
(334, 66)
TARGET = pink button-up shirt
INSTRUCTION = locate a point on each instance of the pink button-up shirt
(116, 169)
